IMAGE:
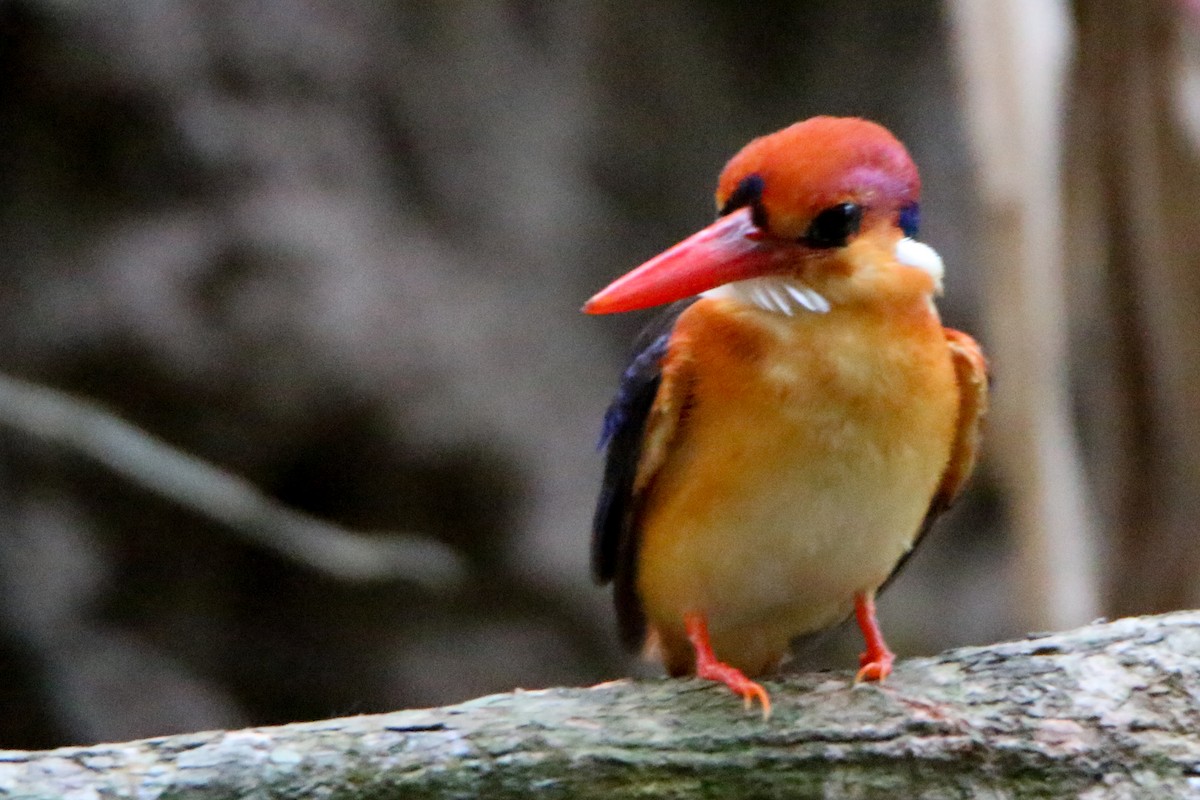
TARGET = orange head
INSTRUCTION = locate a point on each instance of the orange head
(788, 203)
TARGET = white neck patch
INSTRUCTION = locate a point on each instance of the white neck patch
(923, 257)
(775, 294)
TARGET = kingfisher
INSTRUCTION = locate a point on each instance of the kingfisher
(791, 426)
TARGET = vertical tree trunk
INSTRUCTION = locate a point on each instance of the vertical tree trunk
(1134, 179)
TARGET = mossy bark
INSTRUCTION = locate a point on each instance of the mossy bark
(1109, 710)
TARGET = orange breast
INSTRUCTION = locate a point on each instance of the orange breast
(806, 459)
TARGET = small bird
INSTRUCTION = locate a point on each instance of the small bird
(792, 425)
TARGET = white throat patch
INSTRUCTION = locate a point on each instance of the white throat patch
(774, 294)
(788, 296)
(923, 257)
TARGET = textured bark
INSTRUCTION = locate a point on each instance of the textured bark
(1109, 710)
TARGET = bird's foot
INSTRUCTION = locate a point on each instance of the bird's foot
(875, 666)
(876, 662)
(738, 683)
(709, 667)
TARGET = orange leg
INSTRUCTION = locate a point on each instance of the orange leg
(708, 667)
(876, 661)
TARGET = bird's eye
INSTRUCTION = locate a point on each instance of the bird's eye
(834, 226)
(748, 193)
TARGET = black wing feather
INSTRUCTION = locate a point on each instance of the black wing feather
(614, 526)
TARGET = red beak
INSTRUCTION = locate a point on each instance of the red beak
(731, 249)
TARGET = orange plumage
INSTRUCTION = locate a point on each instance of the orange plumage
(777, 452)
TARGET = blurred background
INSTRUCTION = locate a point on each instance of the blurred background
(338, 251)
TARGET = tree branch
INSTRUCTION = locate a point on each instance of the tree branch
(1109, 710)
(86, 428)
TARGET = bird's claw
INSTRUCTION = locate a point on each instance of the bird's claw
(754, 691)
(874, 666)
(739, 684)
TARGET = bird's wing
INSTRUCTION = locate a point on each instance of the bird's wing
(638, 428)
(970, 371)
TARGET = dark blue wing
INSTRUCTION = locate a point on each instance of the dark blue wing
(614, 526)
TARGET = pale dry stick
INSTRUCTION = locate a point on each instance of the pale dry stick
(84, 427)
(1012, 57)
